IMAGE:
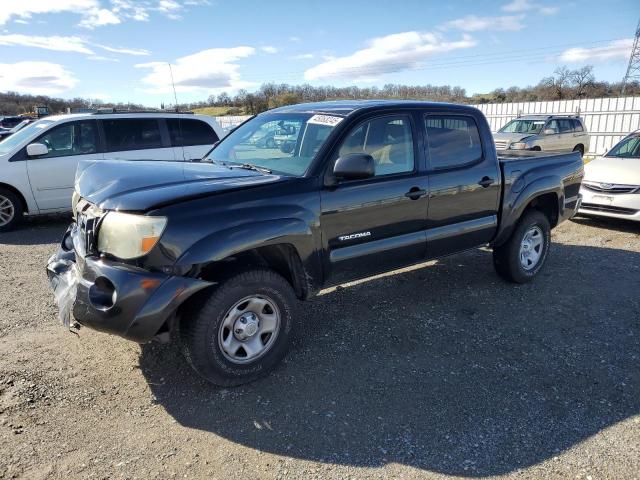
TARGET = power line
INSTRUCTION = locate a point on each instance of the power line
(509, 56)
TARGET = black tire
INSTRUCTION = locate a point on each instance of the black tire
(579, 148)
(9, 202)
(506, 257)
(200, 327)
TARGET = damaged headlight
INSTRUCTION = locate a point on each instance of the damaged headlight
(128, 236)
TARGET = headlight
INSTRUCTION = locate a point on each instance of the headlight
(127, 236)
(518, 146)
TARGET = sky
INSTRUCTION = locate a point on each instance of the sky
(120, 50)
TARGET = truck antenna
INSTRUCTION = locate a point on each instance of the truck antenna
(175, 97)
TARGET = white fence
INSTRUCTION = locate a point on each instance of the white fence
(607, 119)
(229, 121)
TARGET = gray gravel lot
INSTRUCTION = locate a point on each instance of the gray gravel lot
(430, 372)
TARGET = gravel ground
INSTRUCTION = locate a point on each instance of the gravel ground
(434, 372)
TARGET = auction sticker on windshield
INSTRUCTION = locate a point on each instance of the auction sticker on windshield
(330, 120)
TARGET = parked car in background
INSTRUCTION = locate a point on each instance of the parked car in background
(611, 186)
(544, 132)
(10, 122)
(38, 163)
(7, 132)
(216, 253)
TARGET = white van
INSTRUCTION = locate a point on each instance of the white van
(38, 163)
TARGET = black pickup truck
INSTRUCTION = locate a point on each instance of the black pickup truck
(217, 253)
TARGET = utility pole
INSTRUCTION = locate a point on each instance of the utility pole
(633, 70)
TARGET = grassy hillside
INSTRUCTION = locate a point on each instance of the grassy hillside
(217, 111)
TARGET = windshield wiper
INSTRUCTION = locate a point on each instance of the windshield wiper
(250, 166)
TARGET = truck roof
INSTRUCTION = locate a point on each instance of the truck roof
(347, 107)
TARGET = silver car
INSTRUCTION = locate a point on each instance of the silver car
(544, 132)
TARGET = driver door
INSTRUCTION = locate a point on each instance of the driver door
(52, 175)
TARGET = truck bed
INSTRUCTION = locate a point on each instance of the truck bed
(528, 173)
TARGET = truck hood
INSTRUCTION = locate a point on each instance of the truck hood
(624, 171)
(511, 137)
(139, 185)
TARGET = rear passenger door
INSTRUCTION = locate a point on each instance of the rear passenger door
(566, 134)
(464, 184)
(191, 138)
(136, 139)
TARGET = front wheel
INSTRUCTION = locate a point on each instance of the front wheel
(520, 259)
(241, 331)
(10, 210)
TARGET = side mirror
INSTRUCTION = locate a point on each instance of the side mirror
(354, 166)
(549, 131)
(37, 149)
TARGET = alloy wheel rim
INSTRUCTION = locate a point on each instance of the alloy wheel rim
(7, 211)
(531, 248)
(249, 329)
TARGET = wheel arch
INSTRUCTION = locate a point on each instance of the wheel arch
(284, 245)
(18, 193)
(545, 194)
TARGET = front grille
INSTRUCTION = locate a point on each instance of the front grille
(87, 216)
(608, 209)
(612, 188)
(500, 145)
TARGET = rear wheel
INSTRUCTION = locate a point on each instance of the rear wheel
(241, 330)
(10, 210)
(520, 259)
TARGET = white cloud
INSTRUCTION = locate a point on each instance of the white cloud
(59, 44)
(101, 58)
(474, 23)
(98, 17)
(269, 49)
(205, 71)
(295, 39)
(95, 13)
(90, 11)
(65, 44)
(616, 50)
(303, 56)
(39, 78)
(392, 53)
(169, 8)
(528, 5)
(125, 51)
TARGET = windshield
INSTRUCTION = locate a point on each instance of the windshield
(629, 147)
(10, 143)
(282, 142)
(20, 126)
(523, 126)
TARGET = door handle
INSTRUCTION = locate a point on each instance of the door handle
(486, 182)
(415, 193)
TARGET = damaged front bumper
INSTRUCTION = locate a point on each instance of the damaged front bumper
(113, 297)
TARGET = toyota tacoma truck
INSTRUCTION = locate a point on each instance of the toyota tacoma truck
(216, 254)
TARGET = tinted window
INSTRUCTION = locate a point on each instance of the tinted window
(132, 134)
(73, 138)
(185, 132)
(577, 126)
(388, 140)
(566, 125)
(453, 140)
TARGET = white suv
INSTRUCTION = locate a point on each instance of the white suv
(38, 163)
